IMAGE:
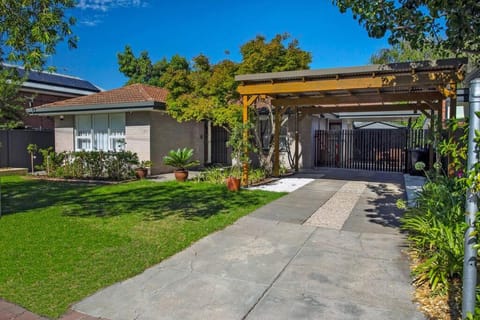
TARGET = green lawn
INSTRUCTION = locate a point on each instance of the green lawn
(60, 242)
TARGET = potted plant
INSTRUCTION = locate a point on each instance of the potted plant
(142, 170)
(180, 159)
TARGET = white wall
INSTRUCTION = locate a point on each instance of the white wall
(137, 133)
(64, 133)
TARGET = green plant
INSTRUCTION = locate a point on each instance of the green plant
(32, 150)
(145, 164)
(90, 164)
(436, 227)
(240, 142)
(180, 159)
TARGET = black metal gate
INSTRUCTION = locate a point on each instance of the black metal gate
(220, 154)
(367, 149)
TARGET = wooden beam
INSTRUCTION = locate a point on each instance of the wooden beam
(251, 100)
(364, 108)
(385, 97)
(310, 86)
(357, 83)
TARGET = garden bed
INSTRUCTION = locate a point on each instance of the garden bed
(13, 171)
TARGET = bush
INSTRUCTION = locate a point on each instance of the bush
(219, 175)
(436, 229)
(98, 165)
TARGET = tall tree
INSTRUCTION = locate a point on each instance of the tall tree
(449, 25)
(11, 103)
(403, 52)
(29, 33)
(31, 29)
(206, 91)
(260, 56)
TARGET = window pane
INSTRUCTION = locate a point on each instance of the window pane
(100, 132)
(117, 131)
(83, 132)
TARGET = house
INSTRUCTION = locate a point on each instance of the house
(130, 118)
(38, 88)
(41, 87)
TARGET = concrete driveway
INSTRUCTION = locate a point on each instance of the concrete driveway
(284, 261)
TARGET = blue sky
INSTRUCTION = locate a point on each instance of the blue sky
(212, 27)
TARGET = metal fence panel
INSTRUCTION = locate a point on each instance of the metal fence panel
(13, 151)
(368, 149)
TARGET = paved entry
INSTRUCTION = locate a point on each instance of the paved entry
(330, 250)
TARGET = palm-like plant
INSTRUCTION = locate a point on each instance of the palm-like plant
(180, 159)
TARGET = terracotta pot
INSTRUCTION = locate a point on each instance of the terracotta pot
(141, 173)
(181, 175)
(233, 184)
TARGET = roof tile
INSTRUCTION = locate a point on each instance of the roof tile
(133, 93)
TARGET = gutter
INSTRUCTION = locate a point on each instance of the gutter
(101, 108)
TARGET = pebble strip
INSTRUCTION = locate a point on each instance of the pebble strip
(337, 209)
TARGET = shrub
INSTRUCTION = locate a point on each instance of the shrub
(99, 165)
(180, 159)
(436, 228)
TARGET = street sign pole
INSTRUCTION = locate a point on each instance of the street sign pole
(471, 206)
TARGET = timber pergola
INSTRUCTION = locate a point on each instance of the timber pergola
(418, 86)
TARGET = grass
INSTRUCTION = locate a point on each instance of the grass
(60, 242)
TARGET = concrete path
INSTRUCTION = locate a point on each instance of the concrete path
(272, 265)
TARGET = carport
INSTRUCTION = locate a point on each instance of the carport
(419, 86)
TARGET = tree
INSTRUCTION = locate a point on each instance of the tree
(446, 25)
(259, 56)
(206, 91)
(29, 33)
(403, 52)
(31, 29)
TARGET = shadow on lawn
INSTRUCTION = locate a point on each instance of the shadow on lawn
(160, 200)
(152, 200)
(20, 195)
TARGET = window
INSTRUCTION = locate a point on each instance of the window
(100, 132)
(266, 132)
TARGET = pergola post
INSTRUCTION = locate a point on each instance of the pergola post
(276, 142)
(246, 102)
(432, 137)
(296, 140)
(245, 140)
(452, 115)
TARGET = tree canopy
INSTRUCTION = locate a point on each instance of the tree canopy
(29, 33)
(403, 52)
(31, 29)
(447, 25)
(202, 90)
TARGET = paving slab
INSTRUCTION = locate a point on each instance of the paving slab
(269, 265)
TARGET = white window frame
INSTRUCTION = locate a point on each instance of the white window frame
(115, 140)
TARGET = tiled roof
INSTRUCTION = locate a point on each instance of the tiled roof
(134, 93)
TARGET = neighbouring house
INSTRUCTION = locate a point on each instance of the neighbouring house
(38, 88)
(42, 87)
(130, 118)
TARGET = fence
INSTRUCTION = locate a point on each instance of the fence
(369, 149)
(13, 149)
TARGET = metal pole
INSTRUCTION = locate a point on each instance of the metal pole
(470, 254)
